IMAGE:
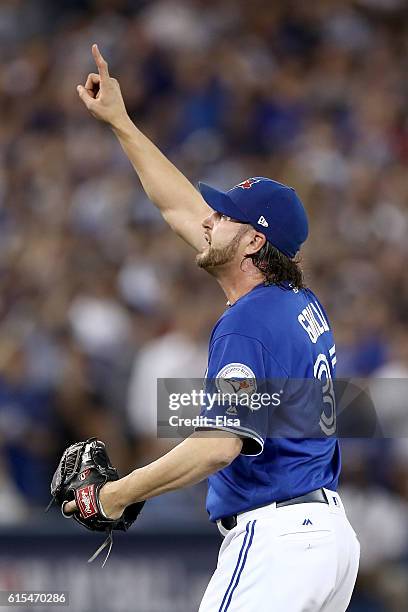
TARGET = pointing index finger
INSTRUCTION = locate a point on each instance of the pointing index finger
(100, 62)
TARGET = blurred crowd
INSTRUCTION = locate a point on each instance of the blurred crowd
(98, 298)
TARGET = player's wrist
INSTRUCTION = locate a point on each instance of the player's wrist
(128, 494)
(110, 499)
(122, 125)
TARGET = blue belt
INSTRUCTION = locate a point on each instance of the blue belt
(318, 496)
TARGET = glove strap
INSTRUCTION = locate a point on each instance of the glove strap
(107, 542)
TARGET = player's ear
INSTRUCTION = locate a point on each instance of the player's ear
(256, 243)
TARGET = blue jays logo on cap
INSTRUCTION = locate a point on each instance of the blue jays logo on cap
(247, 184)
(269, 206)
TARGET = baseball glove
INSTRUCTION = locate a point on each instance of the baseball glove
(84, 468)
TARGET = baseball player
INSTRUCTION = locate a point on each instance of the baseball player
(288, 545)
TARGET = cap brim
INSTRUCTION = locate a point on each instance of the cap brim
(221, 202)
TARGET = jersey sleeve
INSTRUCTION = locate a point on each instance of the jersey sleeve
(241, 390)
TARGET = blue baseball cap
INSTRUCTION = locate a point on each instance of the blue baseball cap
(269, 206)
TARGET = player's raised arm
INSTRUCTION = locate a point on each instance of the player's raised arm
(179, 202)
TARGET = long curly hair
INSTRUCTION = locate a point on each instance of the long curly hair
(277, 267)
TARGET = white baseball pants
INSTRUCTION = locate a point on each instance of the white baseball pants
(299, 558)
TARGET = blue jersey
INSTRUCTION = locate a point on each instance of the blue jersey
(278, 334)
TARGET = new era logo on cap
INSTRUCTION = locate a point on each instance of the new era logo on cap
(262, 221)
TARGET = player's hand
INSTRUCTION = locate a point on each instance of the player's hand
(101, 93)
(108, 498)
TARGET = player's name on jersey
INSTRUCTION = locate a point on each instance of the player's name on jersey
(313, 321)
(203, 421)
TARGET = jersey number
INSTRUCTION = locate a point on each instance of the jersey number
(328, 416)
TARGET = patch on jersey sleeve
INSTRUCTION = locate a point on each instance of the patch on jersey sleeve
(236, 380)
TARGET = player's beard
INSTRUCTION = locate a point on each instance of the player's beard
(214, 257)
